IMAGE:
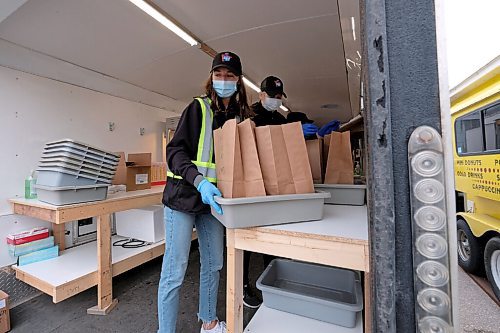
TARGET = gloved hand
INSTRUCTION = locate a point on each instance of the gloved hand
(333, 125)
(309, 129)
(208, 192)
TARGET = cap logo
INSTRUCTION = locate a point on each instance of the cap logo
(277, 83)
(226, 57)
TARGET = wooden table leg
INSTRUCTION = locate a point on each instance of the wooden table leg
(59, 230)
(105, 301)
(234, 293)
(368, 306)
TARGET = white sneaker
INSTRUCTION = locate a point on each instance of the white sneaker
(219, 328)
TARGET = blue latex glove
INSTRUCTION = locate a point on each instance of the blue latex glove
(309, 129)
(208, 192)
(332, 126)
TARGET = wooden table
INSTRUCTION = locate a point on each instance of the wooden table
(59, 215)
(340, 240)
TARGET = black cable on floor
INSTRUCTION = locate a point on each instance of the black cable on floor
(130, 243)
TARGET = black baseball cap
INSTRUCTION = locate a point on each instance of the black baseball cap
(272, 86)
(298, 116)
(229, 60)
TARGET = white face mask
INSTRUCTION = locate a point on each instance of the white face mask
(271, 104)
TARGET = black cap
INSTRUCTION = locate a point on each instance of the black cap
(229, 60)
(272, 86)
(298, 116)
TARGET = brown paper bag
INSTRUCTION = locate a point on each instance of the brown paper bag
(228, 160)
(273, 159)
(315, 154)
(326, 148)
(297, 157)
(339, 168)
(238, 168)
(252, 174)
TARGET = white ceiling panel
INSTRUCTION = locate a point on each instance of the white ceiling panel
(299, 41)
(8, 7)
(307, 55)
(217, 18)
(111, 36)
(181, 75)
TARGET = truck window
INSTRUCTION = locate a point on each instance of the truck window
(469, 136)
(492, 127)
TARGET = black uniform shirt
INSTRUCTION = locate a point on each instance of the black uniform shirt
(180, 194)
(263, 117)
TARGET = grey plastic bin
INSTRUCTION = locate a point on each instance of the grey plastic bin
(85, 173)
(104, 173)
(344, 194)
(74, 158)
(67, 195)
(65, 177)
(81, 165)
(270, 210)
(79, 152)
(324, 293)
(82, 146)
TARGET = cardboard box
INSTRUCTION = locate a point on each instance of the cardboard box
(4, 312)
(158, 173)
(120, 177)
(21, 249)
(145, 224)
(137, 175)
(27, 236)
(40, 255)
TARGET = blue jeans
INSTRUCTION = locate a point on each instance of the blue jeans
(178, 229)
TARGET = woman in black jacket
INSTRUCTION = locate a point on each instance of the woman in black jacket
(190, 192)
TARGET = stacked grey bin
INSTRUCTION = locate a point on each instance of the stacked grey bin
(73, 172)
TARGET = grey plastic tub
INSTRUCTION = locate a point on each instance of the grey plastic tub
(344, 194)
(67, 195)
(76, 163)
(79, 152)
(80, 159)
(270, 210)
(104, 173)
(85, 173)
(65, 177)
(324, 293)
(84, 147)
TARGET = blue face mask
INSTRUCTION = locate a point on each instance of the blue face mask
(224, 89)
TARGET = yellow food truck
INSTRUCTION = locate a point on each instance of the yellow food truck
(475, 108)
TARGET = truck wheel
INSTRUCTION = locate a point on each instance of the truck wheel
(470, 251)
(492, 264)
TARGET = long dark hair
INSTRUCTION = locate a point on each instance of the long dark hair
(240, 97)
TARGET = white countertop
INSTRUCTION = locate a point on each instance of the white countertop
(338, 221)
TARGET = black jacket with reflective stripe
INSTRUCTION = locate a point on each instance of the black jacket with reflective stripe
(263, 117)
(180, 194)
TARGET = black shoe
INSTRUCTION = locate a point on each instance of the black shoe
(250, 299)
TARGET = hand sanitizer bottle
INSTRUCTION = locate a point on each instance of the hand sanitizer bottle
(29, 186)
(32, 185)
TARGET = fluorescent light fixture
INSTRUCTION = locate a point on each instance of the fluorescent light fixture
(284, 108)
(251, 84)
(353, 25)
(148, 9)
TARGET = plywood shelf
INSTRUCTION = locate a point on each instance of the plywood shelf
(75, 270)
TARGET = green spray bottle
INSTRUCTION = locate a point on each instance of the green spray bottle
(29, 186)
